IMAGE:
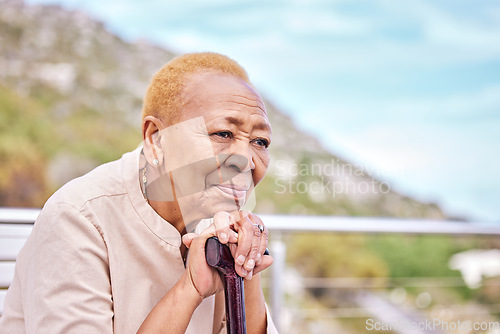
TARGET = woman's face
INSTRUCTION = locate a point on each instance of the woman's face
(218, 150)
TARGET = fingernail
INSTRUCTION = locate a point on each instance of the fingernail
(250, 264)
(240, 260)
(243, 270)
(249, 276)
(223, 237)
(257, 259)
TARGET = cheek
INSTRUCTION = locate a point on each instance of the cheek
(220, 148)
(191, 178)
(261, 164)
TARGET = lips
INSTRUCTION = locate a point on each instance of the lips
(236, 191)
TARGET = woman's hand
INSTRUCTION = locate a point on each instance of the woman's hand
(205, 279)
(242, 231)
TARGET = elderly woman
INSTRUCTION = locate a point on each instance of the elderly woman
(121, 249)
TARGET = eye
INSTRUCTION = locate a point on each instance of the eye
(223, 134)
(262, 142)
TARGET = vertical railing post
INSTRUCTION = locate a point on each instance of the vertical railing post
(278, 252)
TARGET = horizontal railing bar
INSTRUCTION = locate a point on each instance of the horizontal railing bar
(18, 215)
(284, 223)
(293, 223)
(15, 231)
(380, 282)
(386, 282)
(333, 313)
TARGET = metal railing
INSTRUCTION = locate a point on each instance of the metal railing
(278, 225)
(18, 215)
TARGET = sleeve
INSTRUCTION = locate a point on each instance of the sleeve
(271, 328)
(66, 280)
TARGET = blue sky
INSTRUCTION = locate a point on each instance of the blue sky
(409, 90)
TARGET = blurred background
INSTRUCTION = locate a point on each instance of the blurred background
(379, 109)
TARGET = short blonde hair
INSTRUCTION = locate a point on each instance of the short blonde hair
(162, 99)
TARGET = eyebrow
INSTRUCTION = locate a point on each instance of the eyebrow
(239, 122)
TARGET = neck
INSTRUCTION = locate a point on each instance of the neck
(168, 206)
(171, 212)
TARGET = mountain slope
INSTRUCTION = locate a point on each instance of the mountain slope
(88, 85)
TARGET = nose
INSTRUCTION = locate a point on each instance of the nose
(240, 159)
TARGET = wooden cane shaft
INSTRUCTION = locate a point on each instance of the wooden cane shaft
(219, 256)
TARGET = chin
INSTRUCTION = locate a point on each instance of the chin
(212, 207)
(208, 204)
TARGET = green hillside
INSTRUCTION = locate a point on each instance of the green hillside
(86, 85)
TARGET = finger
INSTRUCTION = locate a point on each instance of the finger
(236, 216)
(187, 239)
(264, 236)
(192, 240)
(266, 261)
(254, 254)
(223, 222)
(248, 242)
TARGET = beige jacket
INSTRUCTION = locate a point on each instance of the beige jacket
(98, 260)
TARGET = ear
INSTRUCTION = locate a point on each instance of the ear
(151, 135)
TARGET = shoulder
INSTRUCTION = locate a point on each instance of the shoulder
(104, 181)
(77, 208)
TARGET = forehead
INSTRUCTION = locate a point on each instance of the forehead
(206, 92)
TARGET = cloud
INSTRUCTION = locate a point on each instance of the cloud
(442, 27)
(347, 41)
(435, 148)
(311, 21)
(469, 107)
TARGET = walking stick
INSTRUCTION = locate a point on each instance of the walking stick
(219, 256)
